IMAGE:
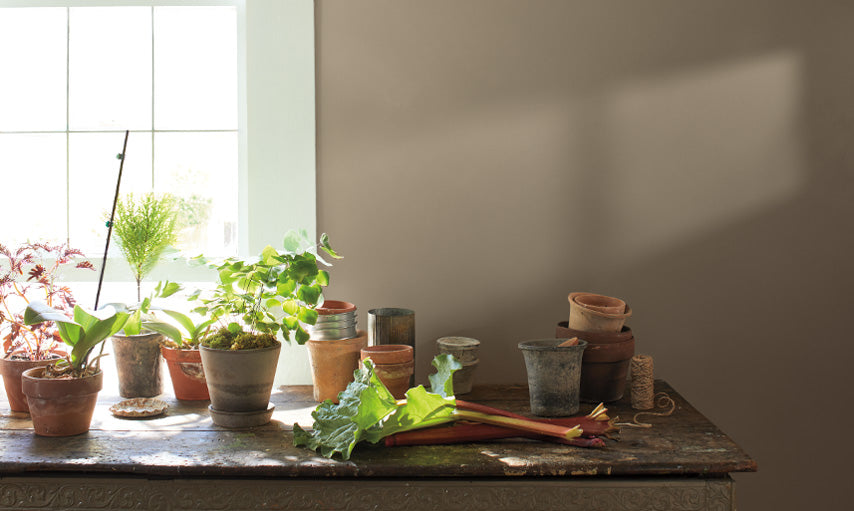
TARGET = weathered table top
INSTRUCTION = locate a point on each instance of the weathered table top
(184, 442)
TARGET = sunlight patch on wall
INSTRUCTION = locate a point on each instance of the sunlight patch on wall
(695, 151)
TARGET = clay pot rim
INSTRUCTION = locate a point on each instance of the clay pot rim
(391, 311)
(41, 370)
(147, 333)
(171, 349)
(473, 344)
(606, 305)
(277, 346)
(572, 299)
(330, 307)
(550, 345)
(387, 353)
(7, 357)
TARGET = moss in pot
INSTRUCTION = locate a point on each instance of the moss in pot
(254, 300)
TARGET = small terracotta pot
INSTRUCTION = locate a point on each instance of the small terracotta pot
(393, 364)
(600, 303)
(333, 363)
(61, 407)
(592, 319)
(187, 373)
(11, 369)
(605, 365)
(138, 364)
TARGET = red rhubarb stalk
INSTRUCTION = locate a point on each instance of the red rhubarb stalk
(522, 424)
(463, 433)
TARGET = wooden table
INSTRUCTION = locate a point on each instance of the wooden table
(182, 461)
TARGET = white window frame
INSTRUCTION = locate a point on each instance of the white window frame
(276, 124)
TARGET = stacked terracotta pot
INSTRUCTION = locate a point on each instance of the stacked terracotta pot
(393, 365)
(600, 320)
(334, 349)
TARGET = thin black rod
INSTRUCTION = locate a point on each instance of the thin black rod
(112, 215)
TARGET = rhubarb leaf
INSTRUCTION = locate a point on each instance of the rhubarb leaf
(368, 411)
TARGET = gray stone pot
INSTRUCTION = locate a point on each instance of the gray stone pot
(240, 381)
(138, 363)
(554, 375)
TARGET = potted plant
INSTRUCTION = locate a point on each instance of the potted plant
(31, 275)
(62, 395)
(253, 301)
(144, 228)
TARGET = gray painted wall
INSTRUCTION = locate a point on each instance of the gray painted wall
(478, 160)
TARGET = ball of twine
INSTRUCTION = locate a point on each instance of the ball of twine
(642, 382)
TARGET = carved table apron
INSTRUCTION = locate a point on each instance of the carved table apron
(181, 461)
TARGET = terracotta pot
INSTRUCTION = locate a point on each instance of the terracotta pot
(605, 365)
(11, 369)
(333, 363)
(393, 364)
(240, 380)
(188, 376)
(600, 303)
(564, 332)
(464, 349)
(593, 320)
(138, 364)
(61, 407)
(554, 374)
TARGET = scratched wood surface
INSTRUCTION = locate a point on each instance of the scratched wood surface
(184, 442)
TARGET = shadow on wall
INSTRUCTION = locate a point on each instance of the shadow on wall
(694, 159)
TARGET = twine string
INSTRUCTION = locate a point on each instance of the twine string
(642, 386)
(662, 400)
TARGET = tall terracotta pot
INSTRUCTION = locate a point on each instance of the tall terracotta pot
(61, 407)
(605, 364)
(188, 376)
(138, 364)
(12, 369)
(333, 363)
(240, 383)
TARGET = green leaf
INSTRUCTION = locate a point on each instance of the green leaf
(309, 294)
(308, 316)
(291, 307)
(182, 320)
(442, 382)
(290, 322)
(268, 256)
(167, 289)
(234, 327)
(285, 287)
(324, 244)
(301, 335)
(323, 278)
(133, 325)
(164, 328)
(293, 242)
(303, 270)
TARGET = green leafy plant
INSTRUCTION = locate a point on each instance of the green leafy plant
(144, 227)
(32, 274)
(256, 298)
(82, 333)
(367, 411)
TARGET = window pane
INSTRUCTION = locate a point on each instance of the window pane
(195, 68)
(110, 68)
(201, 170)
(93, 169)
(32, 67)
(33, 170)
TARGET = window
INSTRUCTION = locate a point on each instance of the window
(83, 75)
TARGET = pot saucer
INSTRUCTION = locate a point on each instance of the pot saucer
(241, 419)
(139, 407)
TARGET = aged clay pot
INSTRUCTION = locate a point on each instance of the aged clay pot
(187, 373)
(393, 364)
(61, 407)
(554, 374)
(11, 369)
(600, 303)
(605, 365)
(333, 363)
(240, 382)
(592, 319)
(464, 349)
(138, 364)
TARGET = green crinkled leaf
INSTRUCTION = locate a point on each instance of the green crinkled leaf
(324, 244)
(291, 307)
(307, 316)
(323, 278)
(442, 381)
(309, 294)
(301, 336)
(368, 411)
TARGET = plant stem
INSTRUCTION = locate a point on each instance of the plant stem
(520, 424)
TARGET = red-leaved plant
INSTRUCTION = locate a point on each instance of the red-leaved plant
(29, 273)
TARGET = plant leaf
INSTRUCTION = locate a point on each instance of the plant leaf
(442, 381)
(324, 244)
